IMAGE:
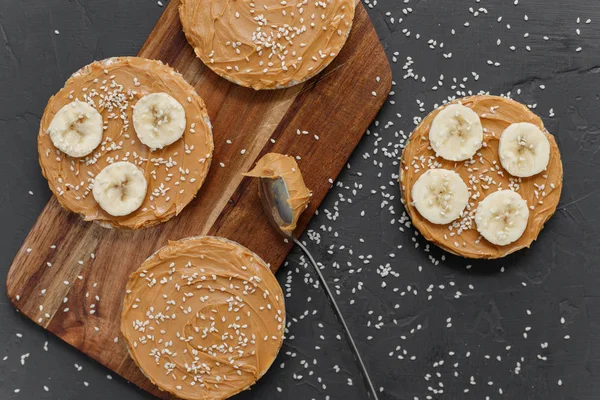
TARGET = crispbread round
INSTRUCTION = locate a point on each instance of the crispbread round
(190, 295)
(174, 174)
(267, 44)
(483, 174)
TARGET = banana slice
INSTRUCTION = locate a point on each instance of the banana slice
(158, 120)
(440, 195)
(76, 129)
(120, 188)
(456, 133)
(502, 217)
(524, 150)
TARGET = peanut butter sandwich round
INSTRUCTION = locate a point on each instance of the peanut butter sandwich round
(126, 142)
(480, 176)
(203, 318)
(266, 44)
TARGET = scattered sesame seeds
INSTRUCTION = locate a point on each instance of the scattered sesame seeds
(389, 208)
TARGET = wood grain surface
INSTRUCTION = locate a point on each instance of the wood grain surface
(69, 275)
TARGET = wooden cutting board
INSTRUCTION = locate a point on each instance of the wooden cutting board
(70, 275)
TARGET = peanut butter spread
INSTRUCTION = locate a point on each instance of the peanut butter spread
(483, 175)
(266, 44)
(203, 318)
(174, 173)
(275, 165)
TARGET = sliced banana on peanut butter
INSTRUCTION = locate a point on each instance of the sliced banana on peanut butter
(120, 188)
(159, 120)
(524, 150)
(502, 217)
(76, 129)
(456, 133)
(440, 195)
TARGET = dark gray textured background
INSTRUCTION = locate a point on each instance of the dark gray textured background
(559, 277)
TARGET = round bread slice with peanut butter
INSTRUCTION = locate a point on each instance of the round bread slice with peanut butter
(512, 136)
(203, 318)
(267, 44)
(139, 114)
